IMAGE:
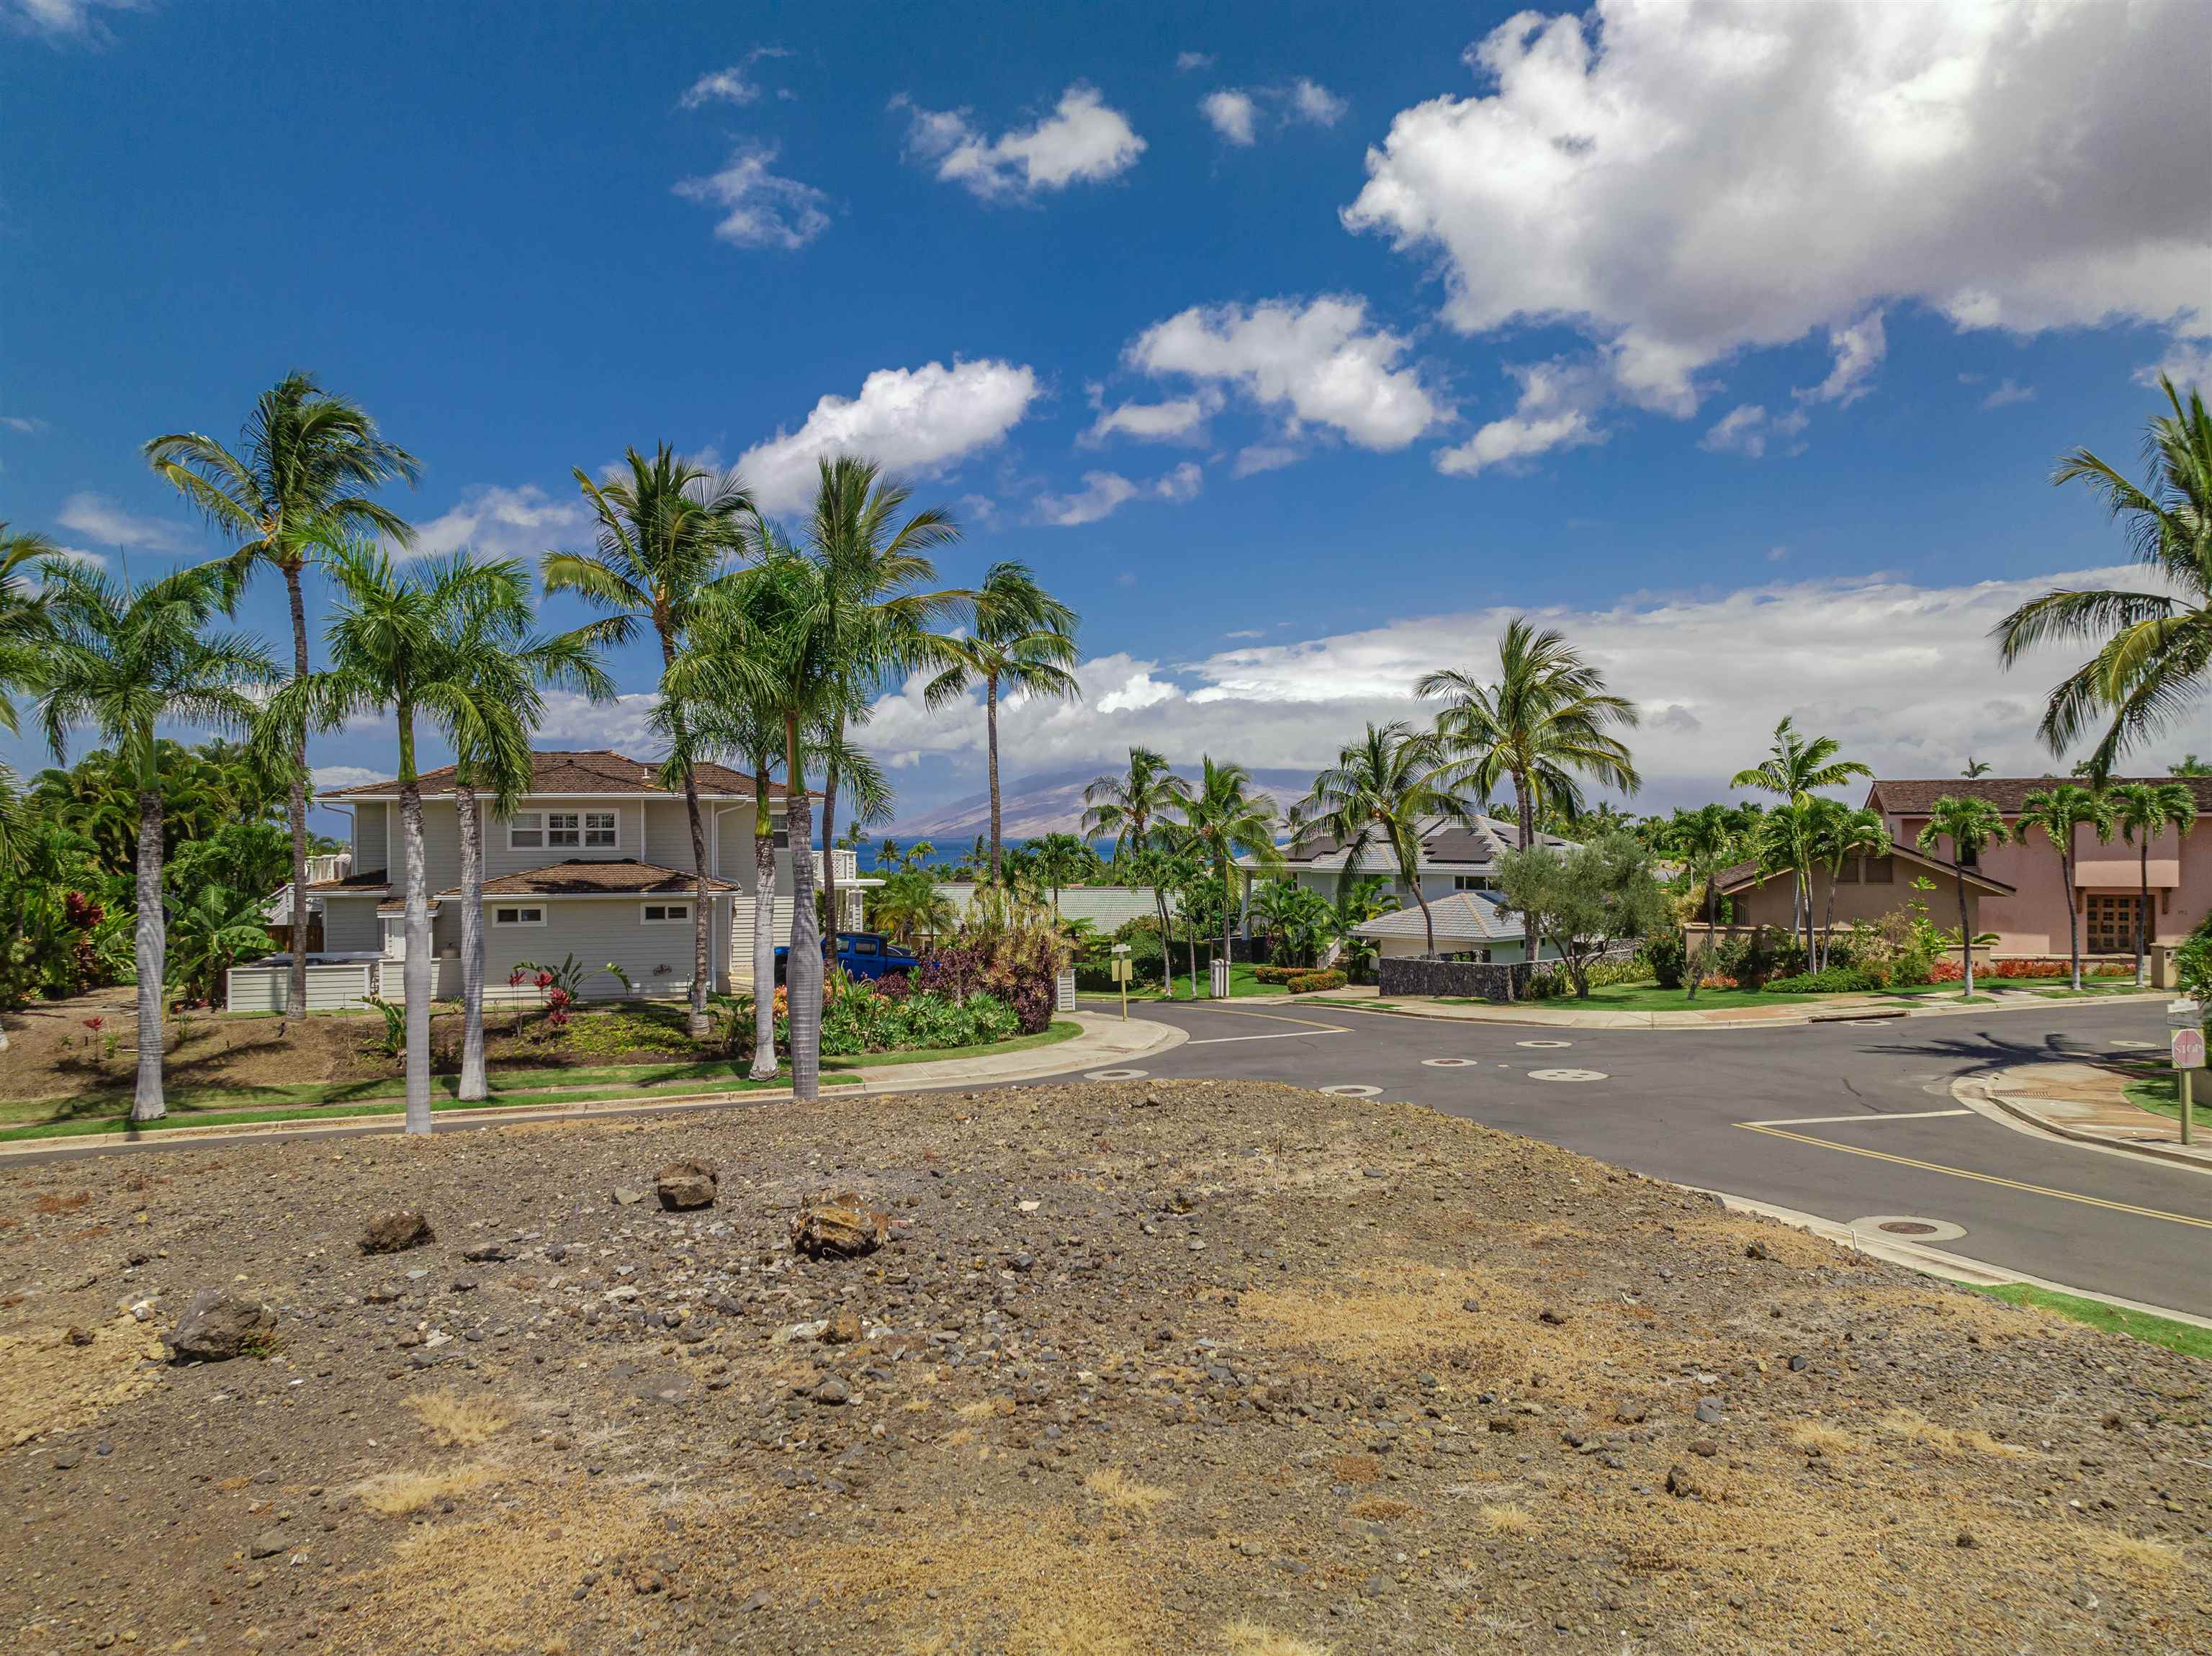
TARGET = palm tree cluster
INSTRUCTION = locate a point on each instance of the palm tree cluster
(772, 650)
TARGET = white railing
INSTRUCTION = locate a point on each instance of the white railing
(848, 867)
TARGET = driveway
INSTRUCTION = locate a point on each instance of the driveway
(1845, 1121)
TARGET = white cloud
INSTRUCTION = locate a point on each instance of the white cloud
(495, 522)
(759, 207)
(1741, 430)
(22, 423)
(1311, 101)
(1317, 362)
(1904, 675)
(1082, 141)
(1236, 112)
(915, 421)
(1859, 349)
(1232, 114)
(1104, 492)
(733, 85)
(624, 724)
(2007, 393)
(1256, 458)
(1188, 61)
(62, 20)
(2185, 363)
(325, 777)
(1179, 419)
(103, 521)
(1553, 411)
(1685, 184)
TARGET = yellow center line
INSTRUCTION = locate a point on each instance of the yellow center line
(1272, 1017)
(1981, 1178)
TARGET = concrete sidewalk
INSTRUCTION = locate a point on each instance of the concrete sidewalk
(2088, 1103)
(1106, 1042)
(1732, 1011)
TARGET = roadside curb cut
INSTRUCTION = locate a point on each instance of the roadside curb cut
(1935, 1262)
(1041, 1063)
(1975, 1092)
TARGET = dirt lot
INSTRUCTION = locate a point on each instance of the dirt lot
(1220, 1368)
(52, 1054)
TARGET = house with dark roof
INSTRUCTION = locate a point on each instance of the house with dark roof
(1455, 856)
(594, 861)
(2018, 890)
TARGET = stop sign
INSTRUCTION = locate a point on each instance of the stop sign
(2189, 1049)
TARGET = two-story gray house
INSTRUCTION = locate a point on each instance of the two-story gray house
(595, 862)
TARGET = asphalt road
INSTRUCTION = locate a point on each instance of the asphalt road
(1885, 1138)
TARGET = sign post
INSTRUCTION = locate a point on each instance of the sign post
(1122, 968)
(2185, 1019)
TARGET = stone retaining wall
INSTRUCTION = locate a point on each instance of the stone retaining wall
(1474, 979)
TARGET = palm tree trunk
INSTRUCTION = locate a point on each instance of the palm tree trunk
(696, 1021)
(2143, 915)
(1228, 907)
(763, 927)
(1524, 812)
(475, 1084)
(803, 963)
(2073, 920)
(417, 972)
(1190, 941)
(152, 939)
(1965, 941)
(1828, 926)
(295, 999)
(991, 728)
(830, 863)
(1167, 944)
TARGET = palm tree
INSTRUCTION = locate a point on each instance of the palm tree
(22, 612)
(2058, 812)
(1225, 820)
(121, 658)
(1709, 841)
(1970, 824)
(208, 932)
(2153, 658)
(1840, 835)
(305, 464)
(1975, 767)
(487, 648)
(391, 644)
(1377, 794)
(879, 623)
(1061, 859)
(909, 904)
(662, 535)
(1544, 721)
(1130, 807)
(1024, 640)
(1795, 766)
(2142, 811)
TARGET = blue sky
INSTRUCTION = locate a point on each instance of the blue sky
(1742, 338)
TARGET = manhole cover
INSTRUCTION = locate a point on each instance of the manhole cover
(1913, 1225)
(2139, 1046)
(1566, 1075)
(1543, 1043)
(1354, 1090)
(1446, 1063)
(1114, 1074)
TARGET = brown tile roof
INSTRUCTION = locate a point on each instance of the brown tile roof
(375, 880)
(560, 772)
(619, 877)
(1744, 874)
(1914, 797)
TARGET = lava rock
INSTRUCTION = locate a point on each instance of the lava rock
(837, 1227)
(395, 1233)
(218, 1325)
(684, 1184)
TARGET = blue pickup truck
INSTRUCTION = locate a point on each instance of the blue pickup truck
(862, 955)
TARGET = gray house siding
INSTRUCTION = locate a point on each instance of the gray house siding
(371, 849)
(599, 930)
(349, 925)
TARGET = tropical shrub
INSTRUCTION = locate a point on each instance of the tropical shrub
(1947, 971)
(860, 1018)
(1834, 980)
(1278, 974)
(1667, 953)
(2192, 962)
(1307, 983)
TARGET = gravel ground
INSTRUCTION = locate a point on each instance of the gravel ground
(1198, 1366)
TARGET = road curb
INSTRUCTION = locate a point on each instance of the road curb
(1870, 1013)
(1936, 1262)
(1062, 1058)
(1975, 1092)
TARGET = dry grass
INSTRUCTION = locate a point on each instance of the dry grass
(1355, 1469)
(1818, 1437)
(1126, 1493)
(1503, 1520)
(985, 1409)
(1074, 1631)
(397, 1494)
(1383, 1508)
(459, 1423)
(52, 1385)
(54, 1205)
(2134, 1555)
(1947, 1441)
(1250, 1639)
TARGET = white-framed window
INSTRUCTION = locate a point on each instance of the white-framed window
(668, 915)
(1471, 882)
(518, 914)
(525, 830)
(587, 829)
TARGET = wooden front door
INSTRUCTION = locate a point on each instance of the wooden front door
(2112, 926)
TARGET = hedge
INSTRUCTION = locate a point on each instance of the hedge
(1306, 983)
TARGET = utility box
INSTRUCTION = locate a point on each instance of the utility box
(1220, 985)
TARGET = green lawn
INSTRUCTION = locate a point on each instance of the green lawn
(2125, 987)
(196, 1106)
(2185, 1338)
(2160, 1092)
